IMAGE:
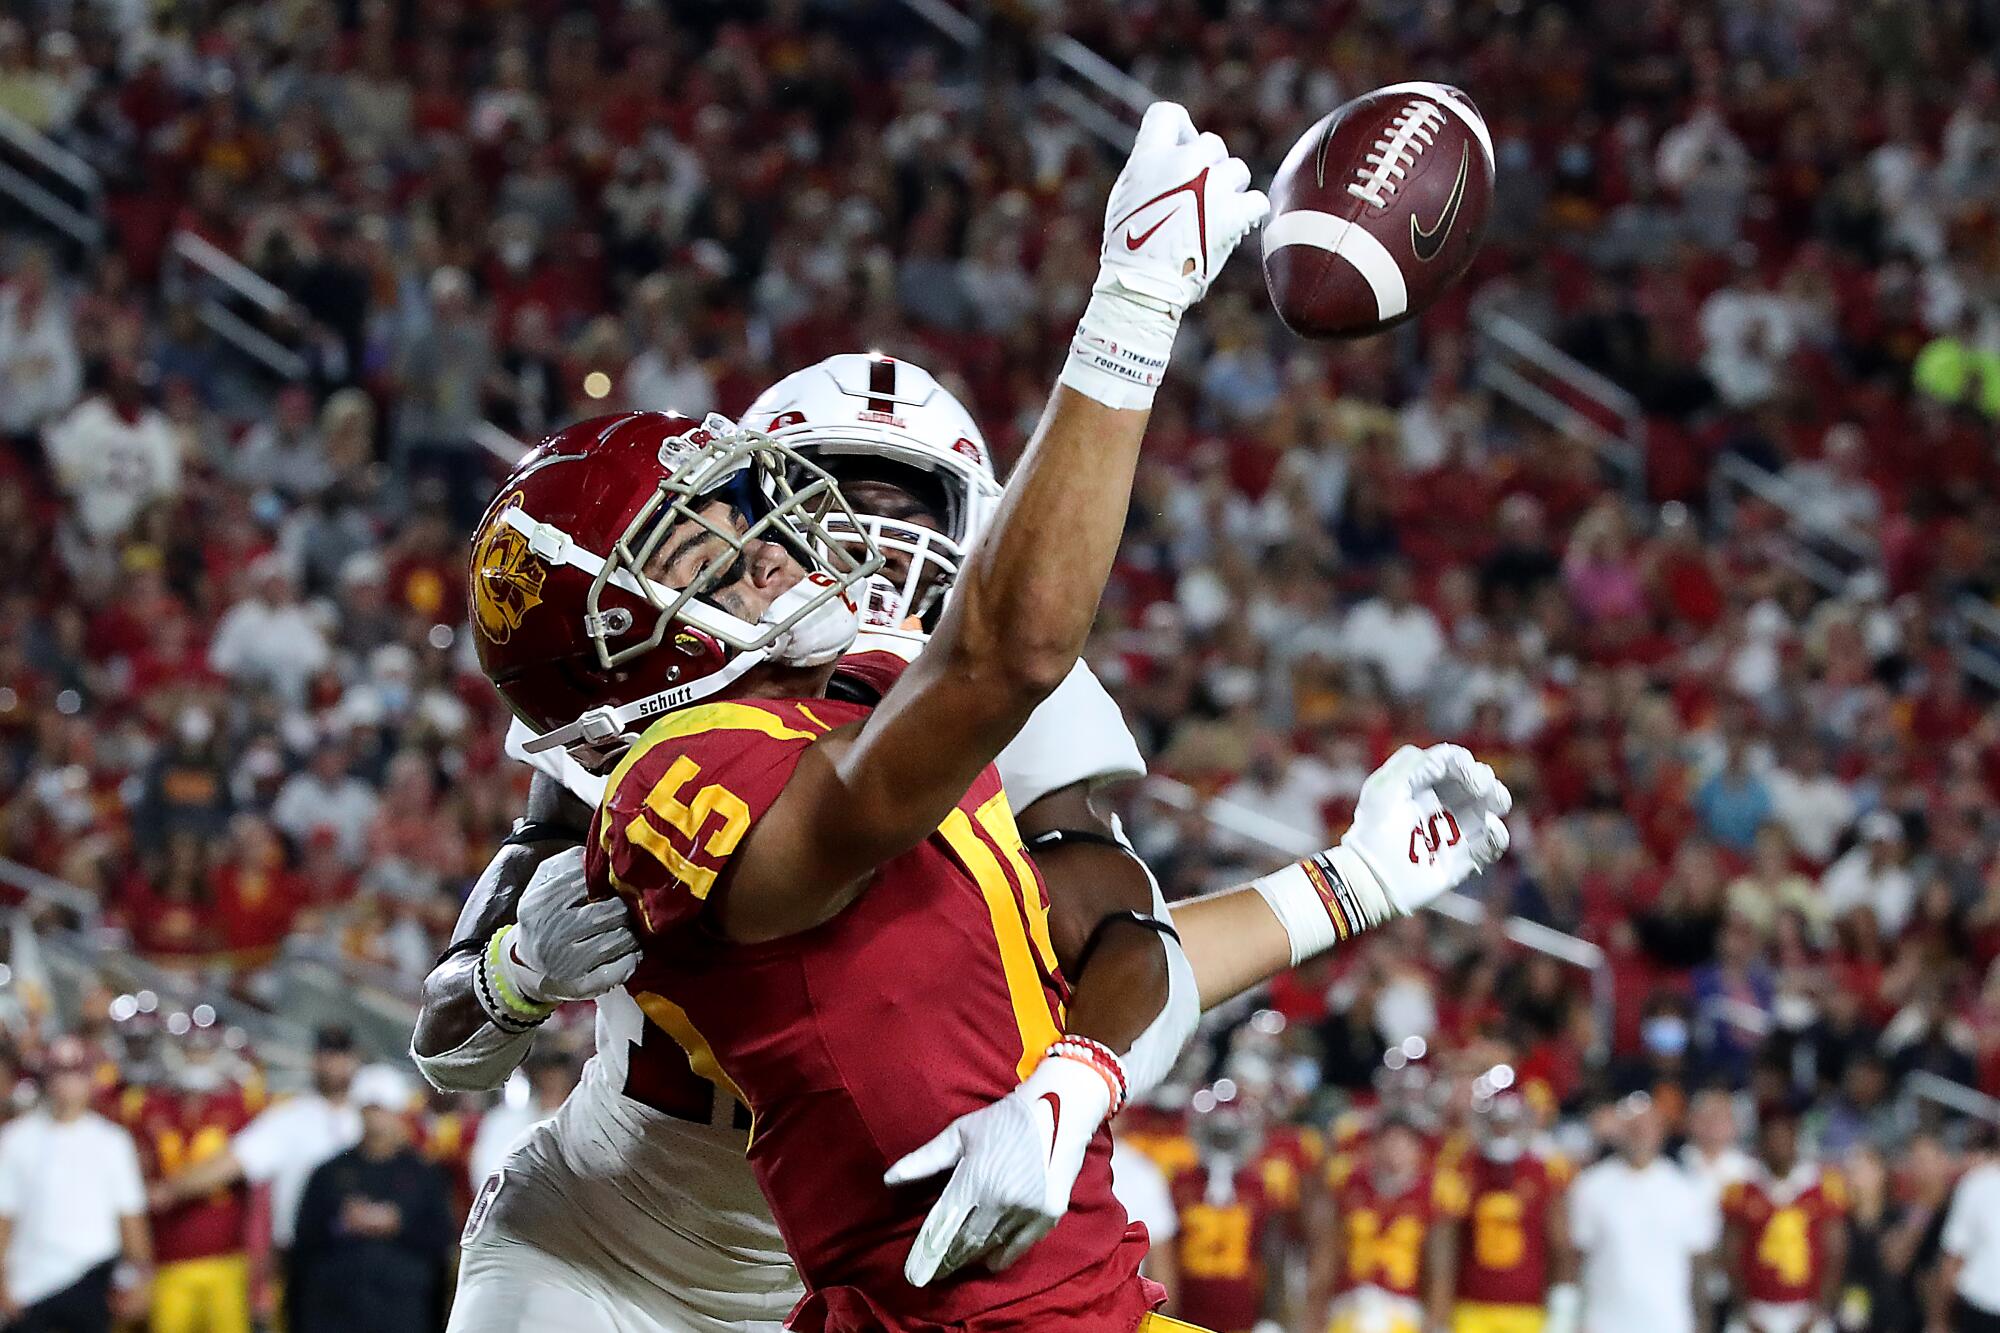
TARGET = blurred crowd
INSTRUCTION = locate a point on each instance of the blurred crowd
(237, 702)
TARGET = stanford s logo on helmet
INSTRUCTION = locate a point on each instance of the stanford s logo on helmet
(600, 571)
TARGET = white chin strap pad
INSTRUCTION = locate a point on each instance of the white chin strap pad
(822, 637)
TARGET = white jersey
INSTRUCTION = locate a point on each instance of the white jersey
(666, 1212)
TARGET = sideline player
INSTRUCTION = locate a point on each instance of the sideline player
(1230, 1245)
(201, 1244)
(1271, 920)
(1504, 1230)
(1784, 1236)
(1373, 1235)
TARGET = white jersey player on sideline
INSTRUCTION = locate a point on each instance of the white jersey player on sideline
(658, 1218)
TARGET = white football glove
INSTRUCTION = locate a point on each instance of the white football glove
(1177, 210)
(563, 946)
(1016, 1160)
(1426, 822)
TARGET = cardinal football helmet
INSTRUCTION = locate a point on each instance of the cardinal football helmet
(582, 642)
(870, 417)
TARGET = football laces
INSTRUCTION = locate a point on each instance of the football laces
(1394, 155)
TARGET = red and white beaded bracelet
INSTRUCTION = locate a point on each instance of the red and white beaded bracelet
(1100, 1058)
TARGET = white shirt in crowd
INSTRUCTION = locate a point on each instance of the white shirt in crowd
(1972, 1233)
(1815, 809)
(1141, 1190)
(1856, 881)
(40, 370)
(1404, 644)
(657, 380)
(1749, 334)
(346, 808)
(1639, 1231)
(64, 1187)
(279, 645)
(112, 468)
(286, 1143)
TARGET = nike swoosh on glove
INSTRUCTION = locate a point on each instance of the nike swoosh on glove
(1178, 209)
(1426, 822)
(565, 946)
(1015, 1162)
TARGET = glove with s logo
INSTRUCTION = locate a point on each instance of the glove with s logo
(1426, 822)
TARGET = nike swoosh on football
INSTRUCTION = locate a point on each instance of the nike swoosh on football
(1426, 242)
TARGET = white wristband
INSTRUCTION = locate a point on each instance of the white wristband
(1121, 349)
(1323, 900)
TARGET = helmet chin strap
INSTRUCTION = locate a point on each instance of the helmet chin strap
(820, 638)
(823, 634)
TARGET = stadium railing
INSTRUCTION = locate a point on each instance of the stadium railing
(1242, 823)
(237, 305)
(51, 183)
(1095, 94)
(1541, 379)
(1831, 558)
(63, 959)
(1923, 1085)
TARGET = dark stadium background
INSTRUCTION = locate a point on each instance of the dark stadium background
(1681, 510)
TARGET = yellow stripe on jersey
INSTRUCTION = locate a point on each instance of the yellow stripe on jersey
(671, 1019)
(996, 816)
(1159, 1323)
(1017, 960)
(813, 718)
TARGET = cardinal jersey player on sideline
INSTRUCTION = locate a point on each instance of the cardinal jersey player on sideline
(1229, 1221)
(1372, 1235)
(1504, 1231)
(1784, 1237)
(201, 1245)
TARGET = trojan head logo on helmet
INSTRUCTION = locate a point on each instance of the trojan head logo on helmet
(634, 564)
(911, 460)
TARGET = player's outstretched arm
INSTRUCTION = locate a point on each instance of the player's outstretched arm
(514, 957)
(1426, 822)
(1025, 598)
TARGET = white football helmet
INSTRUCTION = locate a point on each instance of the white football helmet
(870, 417)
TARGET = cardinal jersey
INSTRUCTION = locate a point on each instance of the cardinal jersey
(177, 1130)
(1221, 1247)
(1291, 1156)
(931, 995)
(1382, 1234)
(1780, 1222)
(1162, 1136)
(1502, 1209)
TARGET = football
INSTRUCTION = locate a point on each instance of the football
(1377, 210)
